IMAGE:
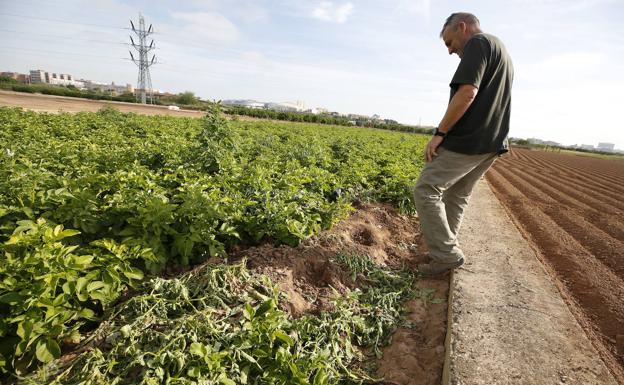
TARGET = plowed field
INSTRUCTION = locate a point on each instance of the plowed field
(571, 209)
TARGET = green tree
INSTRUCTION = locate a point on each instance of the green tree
(127, 97)
(187, 97)
(8, 79)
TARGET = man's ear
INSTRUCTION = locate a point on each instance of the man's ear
(462, 27)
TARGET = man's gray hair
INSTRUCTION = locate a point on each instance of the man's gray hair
(457, 18)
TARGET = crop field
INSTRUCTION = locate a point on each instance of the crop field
(571, 208)
(124, 246)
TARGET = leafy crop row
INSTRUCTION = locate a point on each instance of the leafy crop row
(220, 325)
(90, 202)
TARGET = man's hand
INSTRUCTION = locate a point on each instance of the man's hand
(432, 148)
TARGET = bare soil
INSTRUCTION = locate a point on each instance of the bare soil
(306, 274)
(571, 209)
(53, 103)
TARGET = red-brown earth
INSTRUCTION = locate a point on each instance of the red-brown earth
(307, 275)
(570, 208)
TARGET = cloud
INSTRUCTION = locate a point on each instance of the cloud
(335, 13)
(565, 6)
(208, 26)
(203, 4)
(418, 7)
(558, 113)
(257, 60)
(568, 65)
(249, 12)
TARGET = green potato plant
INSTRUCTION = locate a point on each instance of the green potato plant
(91, 203)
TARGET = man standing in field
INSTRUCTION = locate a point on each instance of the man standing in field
(471, 135)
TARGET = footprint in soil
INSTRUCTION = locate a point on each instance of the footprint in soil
(363, 236)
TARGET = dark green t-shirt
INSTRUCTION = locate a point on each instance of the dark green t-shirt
(485, 125)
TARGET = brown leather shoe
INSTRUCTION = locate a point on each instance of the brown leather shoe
(433, 269)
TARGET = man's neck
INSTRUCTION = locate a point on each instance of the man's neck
(474, 30)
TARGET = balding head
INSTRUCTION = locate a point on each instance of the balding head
(471, 21)
(457, 30)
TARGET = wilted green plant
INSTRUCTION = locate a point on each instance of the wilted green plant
(220, 324)
(383, 291)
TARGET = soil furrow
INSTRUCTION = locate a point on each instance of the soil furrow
(587, 282)
(600, 215)
(592, 170)
(603, 247)
(611, 169)
(592, 167)
(591, 188)
(607, 184)
(581, 199)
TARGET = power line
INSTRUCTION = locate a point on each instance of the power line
(168, 68)
(176, 43)
(58, 52)
(144, 75)
(48, 37)
(60, 21)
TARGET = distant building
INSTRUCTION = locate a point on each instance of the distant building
(297, 106)
(111, 88)
(603, 146)
(357, 117)
(244, 103)
(22, 78)
(587, 146)
(317, 110)
(543, 142)
(44, 77)
(39, 76)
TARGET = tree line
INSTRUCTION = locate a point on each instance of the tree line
(188, 100)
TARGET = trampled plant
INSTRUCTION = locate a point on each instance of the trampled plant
(221, 324)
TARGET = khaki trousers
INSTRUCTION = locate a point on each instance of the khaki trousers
(441, 195)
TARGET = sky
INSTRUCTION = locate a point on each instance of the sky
(365, 57)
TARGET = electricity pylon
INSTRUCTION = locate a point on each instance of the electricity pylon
(144, 81)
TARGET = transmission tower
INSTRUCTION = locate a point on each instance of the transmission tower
(144, 81)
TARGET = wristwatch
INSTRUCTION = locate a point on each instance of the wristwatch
(439, 133)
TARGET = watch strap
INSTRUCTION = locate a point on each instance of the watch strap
(439, 133)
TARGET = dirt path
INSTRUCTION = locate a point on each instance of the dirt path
(510, 324)
(53, 103)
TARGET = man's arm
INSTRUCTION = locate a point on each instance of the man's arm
(458, 106)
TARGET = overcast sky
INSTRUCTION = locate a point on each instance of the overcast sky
(367, 57)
